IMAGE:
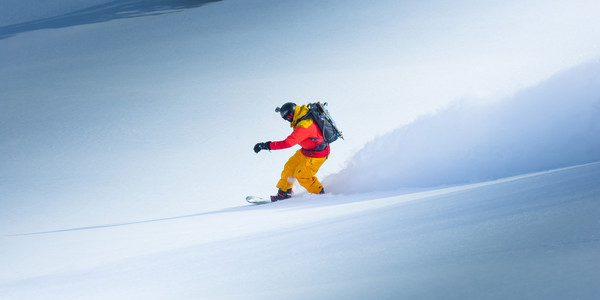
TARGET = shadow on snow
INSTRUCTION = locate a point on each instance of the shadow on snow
(119, 9)
(299, 203)
(226, 210)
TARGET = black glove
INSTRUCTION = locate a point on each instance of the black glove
(262, 146)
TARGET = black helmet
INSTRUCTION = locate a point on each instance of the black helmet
(287, 111)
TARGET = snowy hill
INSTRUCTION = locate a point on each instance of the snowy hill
(127, 127)
(526, 237)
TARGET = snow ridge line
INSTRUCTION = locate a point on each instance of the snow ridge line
(404, 198)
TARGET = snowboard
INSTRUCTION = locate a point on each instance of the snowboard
(258, 200)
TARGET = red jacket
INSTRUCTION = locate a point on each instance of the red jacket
(306, 134)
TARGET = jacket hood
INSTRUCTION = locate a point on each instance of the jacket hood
(300, 112)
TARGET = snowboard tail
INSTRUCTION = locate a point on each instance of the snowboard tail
(258, 200)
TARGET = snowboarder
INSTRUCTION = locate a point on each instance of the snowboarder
(305, 163)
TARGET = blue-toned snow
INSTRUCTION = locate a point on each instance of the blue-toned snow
(469, 170)
(528, 237)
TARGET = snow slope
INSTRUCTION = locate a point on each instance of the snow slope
(126, 130)
(145, 114)
(527, 237)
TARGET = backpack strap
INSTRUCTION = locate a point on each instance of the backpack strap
(310, 152)
(318, 147)
(309, 114)
(306, 117)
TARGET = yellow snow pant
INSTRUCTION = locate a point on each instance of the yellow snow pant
(303, 169)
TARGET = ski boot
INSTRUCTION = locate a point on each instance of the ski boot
(281, 195)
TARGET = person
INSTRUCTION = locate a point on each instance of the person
(305, 163)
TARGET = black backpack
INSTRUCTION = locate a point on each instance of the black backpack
(322, 118)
